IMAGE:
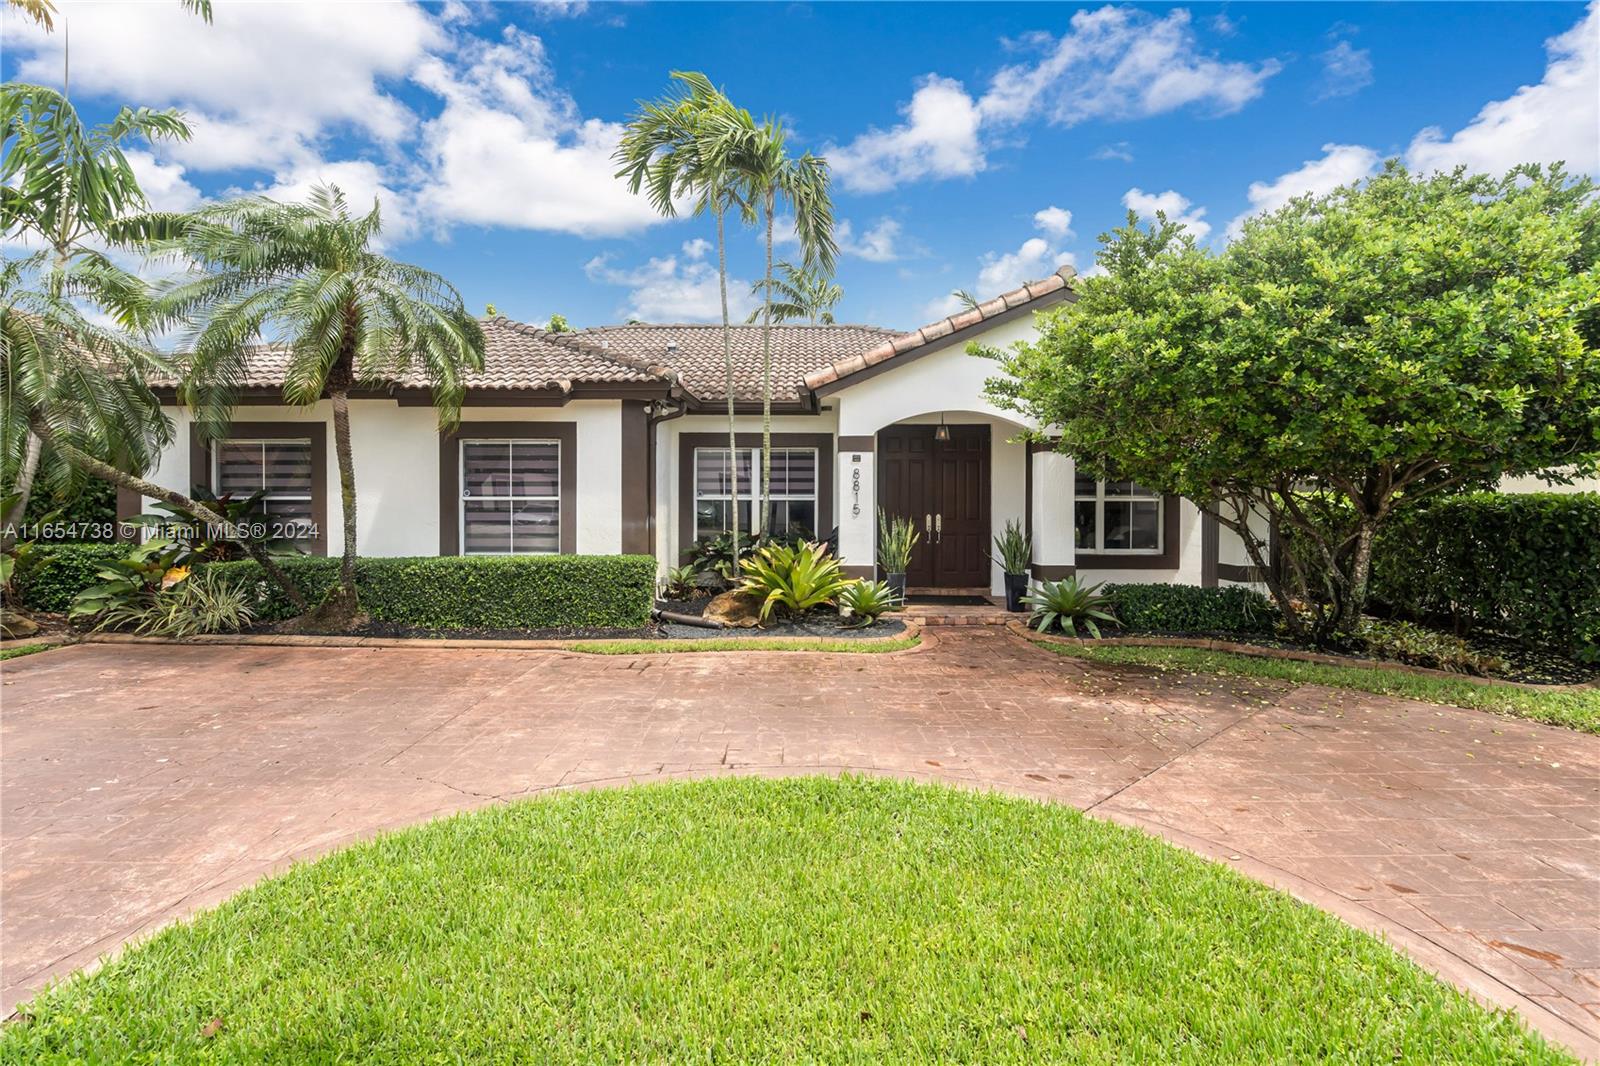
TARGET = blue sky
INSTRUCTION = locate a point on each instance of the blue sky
(974, 146)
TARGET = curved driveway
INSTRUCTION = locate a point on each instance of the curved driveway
(138, 782)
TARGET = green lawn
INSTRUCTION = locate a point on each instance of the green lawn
(21, 650)
(1578, 710)
(746, 919)
(651, 647)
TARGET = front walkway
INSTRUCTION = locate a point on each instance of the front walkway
(143, 781)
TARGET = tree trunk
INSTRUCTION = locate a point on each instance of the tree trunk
(106, 472)
(1240, 524)
(766, 375)
(19, 510)
(1355, 598)
(342, 603)
(727, 369)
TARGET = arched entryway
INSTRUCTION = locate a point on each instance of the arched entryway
(939, 477)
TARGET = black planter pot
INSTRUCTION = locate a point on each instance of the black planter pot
(1016, 588)
(897, 583)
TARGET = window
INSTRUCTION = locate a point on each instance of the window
(793, 506)
(280, 469)
(510, 497)
(1116, 516)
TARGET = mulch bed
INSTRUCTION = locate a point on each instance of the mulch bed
(820, 623)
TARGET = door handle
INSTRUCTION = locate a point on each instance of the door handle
(927, 524)
(938, 528)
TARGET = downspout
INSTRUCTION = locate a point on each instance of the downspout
(675, 395)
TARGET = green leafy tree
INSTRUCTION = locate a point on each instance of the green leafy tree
(1348, 356)
(798, 293)
(306, 276)
(768, 175)
(682, 147)
(558, 324)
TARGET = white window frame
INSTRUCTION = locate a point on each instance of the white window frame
(758, 520)
(1099, 498)
(463, 496)
(266, 497)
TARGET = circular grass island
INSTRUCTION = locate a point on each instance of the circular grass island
(812, 919)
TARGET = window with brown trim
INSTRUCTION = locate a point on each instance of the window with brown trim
(280, 469)
(510, 497)
(792, 503)
(1117, 518)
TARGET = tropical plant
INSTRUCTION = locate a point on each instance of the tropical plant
(680, 582)
(799, 292)
(793, 578)
(43, 12)
(307, 276)
(1014, 549)
(1348, 357)
(680, 147)
(201, 603)
(246, 525)
(767, 173)
(134, 580)
(865, 601)
(965, 299)
(1066, 604)
(896, 539)
(558, 324)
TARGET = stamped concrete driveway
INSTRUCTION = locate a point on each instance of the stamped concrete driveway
(139, 782)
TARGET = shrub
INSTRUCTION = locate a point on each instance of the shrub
(1066, 604)
(1523, 566)
(50, 575)
(1408, 642)
(200, 603)
(1233, 610)
(474, 592)
(130, 584)
(796, 579)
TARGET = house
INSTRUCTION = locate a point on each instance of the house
(614, 439)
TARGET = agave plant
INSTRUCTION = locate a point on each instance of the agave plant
(794, 578)
(1065, 604)
(865, 601)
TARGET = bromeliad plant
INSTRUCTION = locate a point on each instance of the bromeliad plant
(795, 579)
(1065, 604)
(864, 602)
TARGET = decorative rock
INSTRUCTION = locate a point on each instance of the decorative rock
(735, 609)
(13, 624)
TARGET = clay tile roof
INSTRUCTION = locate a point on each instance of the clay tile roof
(896, 347)
(694, 352)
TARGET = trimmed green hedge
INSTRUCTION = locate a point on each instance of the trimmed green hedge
(1526, 566)
(1155, 608)
(51, 574)
(476, 592)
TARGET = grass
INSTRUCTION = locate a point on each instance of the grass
(652, 647)
(21, 650)
(745, 919)
(1578, 710)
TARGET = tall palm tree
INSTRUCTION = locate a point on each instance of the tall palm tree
(43, 12)
(798, 293)
(768, 174)
(306, 276)
(70, 187)
(967, 301)
(681, 147)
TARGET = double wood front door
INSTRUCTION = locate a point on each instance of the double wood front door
(943, 487)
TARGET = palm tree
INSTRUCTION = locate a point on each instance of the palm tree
(680, 147)
(43, 11)
(306, 276)
(968, 301)
(767, 173)
(64, 185)
(799, 293)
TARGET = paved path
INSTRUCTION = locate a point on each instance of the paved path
(1471, 841)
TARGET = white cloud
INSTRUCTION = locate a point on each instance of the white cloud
(876, 245)
(1341, 164)
(938, 139)
(1345, 70)
(510, 149)
(1171, 203)
(164, 184)
(362, 182)
(696, 248)
(264, 82)
(1113, 63)
(666, 290)
(1556, 119)
(1119, 151)
(1055, 221)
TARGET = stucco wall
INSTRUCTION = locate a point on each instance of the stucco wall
(396, 454)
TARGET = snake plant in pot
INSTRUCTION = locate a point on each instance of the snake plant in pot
(1014, 553)
(896, 538)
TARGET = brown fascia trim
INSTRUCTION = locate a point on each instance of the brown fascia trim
(960, 336)
(1053, 571)
(865, 443)
(1210, 548)
(450, 475)
(1234, 572)
(258, 396)
(637, 462)
(317, 432)
(688, 442)
(1167, 560)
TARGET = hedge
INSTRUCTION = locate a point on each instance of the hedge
(475, 592)
(51, 574)
(1525, 566)
(1230, 610)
